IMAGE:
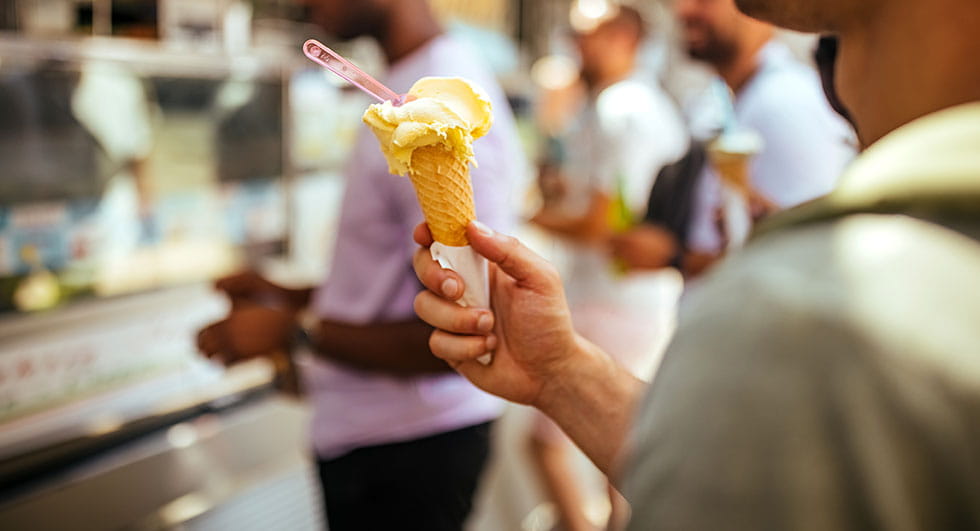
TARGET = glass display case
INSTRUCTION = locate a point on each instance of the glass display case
(131, 171)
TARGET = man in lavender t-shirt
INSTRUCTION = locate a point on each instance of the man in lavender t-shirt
(401, 438)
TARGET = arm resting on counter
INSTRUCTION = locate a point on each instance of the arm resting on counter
(398, 348)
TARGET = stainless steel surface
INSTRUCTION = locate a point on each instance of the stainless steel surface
(244, 469)
(88, 367)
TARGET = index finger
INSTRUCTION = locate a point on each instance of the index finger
(513, 257)
(422, 235)
(445, 282)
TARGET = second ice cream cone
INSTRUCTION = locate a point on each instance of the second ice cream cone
(733, 168)
(445, 193)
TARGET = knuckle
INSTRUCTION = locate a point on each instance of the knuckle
(420, 305)
(428, 275)
(550, 273)
(508, 241)
(434, 344)
(418, 263)
(464, 322)
(471, 349)
(417, 303)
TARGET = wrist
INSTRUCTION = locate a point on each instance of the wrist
(299, 298)
(593, 401)
(306, 330)
(582, 363)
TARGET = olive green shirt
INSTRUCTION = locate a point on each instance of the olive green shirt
(828, 376)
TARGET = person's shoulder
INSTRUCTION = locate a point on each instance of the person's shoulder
(863, 325)
(882, 284)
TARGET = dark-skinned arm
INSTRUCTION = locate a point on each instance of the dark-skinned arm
(397, 348)
(695, 263)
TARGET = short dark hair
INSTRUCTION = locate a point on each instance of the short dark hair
(825, 56)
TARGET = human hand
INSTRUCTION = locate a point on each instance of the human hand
(528, 329)
(645, 246)
(249, 331)
(760, 206)
(249, 287)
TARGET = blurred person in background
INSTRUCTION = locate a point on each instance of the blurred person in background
(401, 440)
(806, 145)
(827, 376)
(611, 152)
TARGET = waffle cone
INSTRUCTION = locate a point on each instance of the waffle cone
(442, 184)
(734, 170)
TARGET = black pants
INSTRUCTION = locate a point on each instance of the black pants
(426, 484)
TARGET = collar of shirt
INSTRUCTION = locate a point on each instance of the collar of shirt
(931, 164)
(405, 72)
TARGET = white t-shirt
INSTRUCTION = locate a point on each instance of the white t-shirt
(807, 145)
(628, 132)
(623, 137)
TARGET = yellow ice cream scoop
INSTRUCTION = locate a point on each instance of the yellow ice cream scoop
(449, 112)
(427, 134)
(430, 139)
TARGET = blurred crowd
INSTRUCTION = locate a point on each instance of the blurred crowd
(635, 202)
(648, 198)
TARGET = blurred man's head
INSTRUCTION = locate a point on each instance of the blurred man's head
(348, 19)
(399, 26)
(715, 30)
(609, 50)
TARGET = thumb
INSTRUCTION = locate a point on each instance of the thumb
(510, 255)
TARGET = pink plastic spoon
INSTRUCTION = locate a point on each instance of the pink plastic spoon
(331, 60)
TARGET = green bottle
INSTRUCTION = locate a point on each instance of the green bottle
(620, 218)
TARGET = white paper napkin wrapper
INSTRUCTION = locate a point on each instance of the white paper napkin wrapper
(472, 267)
(738, 220)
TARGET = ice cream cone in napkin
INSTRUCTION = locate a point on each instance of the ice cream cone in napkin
(430, 138)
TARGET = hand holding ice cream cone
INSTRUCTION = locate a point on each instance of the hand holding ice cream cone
(430, 139)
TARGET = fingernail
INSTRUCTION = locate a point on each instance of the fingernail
(483, 229)
(491, 342)
(484, 323)
(450, 287)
